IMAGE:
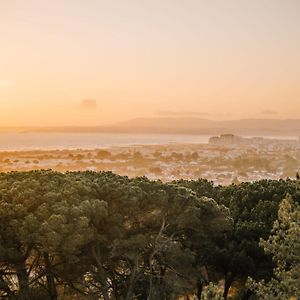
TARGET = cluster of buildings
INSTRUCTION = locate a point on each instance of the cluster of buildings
(258, 142)
(225, 159)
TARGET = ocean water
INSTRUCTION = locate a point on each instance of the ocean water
(51, 141)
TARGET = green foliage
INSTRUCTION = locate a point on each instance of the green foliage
(99, 235)
(284, 246)
(253, 207)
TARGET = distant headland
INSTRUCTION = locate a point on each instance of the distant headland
(182, 125)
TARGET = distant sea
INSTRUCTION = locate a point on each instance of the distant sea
(52, 141)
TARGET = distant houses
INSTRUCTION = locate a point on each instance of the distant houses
(234, 140)
(226, 139)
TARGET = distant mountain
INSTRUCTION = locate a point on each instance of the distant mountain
(184, 125)
(204, 126)
(167, 123)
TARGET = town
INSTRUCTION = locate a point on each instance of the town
(224, 160)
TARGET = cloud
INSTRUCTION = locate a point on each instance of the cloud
(88, 104)
(4, 83)
(269, 112)
(171, 113)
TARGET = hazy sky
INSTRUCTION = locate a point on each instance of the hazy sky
(89, 62)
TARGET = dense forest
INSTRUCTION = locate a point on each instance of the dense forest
(97, 235)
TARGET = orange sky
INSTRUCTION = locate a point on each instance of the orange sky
(90, 62)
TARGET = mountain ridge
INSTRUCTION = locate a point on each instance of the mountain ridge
(241, 126)
(181, 125)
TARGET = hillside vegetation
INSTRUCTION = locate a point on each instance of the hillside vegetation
(89, 235)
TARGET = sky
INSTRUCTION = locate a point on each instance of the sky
(95, 62)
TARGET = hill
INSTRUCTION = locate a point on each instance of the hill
(204, 126)
(183, 125)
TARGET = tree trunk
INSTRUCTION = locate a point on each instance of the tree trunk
(50, 278)
(114, 286)
(199, 289)
(24, 290)
(105, 293)
(228, 282)
(101, 276)
(132, 280)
